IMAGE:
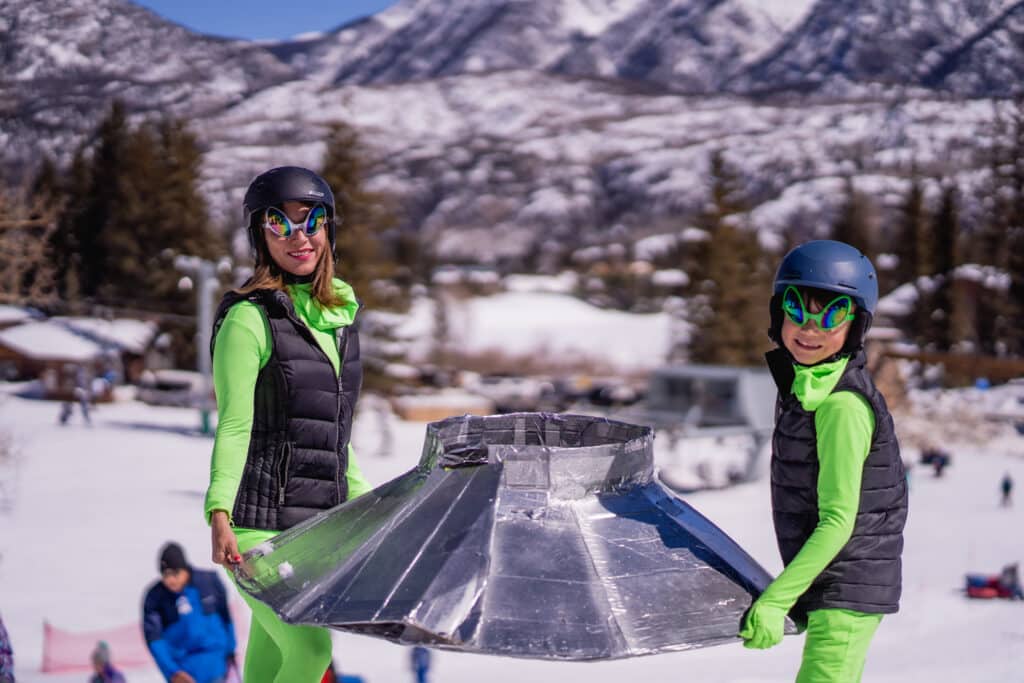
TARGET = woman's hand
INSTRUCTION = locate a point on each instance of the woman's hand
(225, 544)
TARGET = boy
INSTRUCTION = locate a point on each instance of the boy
(186, 622)
(839, 496)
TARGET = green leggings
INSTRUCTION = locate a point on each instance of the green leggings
(278, 652)
(281, 653)
(836, 646)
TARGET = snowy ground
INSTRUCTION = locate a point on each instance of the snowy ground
(88, 509)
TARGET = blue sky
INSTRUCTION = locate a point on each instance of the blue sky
(263, 19)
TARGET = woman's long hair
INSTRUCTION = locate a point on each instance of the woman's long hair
(269, 275)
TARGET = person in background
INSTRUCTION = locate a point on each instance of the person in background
(287, 375)
(1009, 582)
(940, 463)
(103, 669)
(81, 392)
(186, 622)
(6, 656)
(839, 492)
(420, 660)
(1006, 486)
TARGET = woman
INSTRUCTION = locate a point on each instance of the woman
(287, 374)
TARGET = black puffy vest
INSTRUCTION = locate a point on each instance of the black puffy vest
(866, 575)
(302, 420)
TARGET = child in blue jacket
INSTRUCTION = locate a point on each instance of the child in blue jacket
(186, 622)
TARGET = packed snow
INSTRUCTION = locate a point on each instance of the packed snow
(87, 508)
(519, 324)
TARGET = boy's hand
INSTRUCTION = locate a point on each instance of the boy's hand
(763, 626)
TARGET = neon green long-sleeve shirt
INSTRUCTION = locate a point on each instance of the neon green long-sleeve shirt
(242, 348)
(844, 423)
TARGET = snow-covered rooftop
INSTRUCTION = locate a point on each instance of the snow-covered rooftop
(49, 340)
(13, 314)
(126, 334)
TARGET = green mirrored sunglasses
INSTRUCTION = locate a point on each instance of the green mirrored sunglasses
(837, 313)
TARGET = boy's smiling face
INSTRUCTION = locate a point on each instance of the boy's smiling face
(810, 344)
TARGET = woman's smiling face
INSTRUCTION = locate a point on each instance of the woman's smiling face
(299, 253)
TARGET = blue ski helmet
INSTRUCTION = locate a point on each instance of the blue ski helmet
(834, 267)
(282, 184)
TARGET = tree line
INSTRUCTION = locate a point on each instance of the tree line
(100, 235)
(103, 231)
(964, 275)
(962, 280)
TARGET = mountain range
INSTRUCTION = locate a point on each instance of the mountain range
(505, 127)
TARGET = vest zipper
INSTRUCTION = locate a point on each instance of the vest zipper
(342, 349)
(282, 471)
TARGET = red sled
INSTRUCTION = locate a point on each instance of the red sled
(1005, 585)
(984, 592)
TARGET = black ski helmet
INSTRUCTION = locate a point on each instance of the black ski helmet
(281, 184)
(834, 267)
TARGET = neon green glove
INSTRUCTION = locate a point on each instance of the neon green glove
(763, 626)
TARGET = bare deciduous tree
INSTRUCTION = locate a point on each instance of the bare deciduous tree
(27, 270)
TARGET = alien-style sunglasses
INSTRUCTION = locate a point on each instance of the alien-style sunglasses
(276, 221)
(836, 314)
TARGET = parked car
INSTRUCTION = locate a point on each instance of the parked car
(181, 388)
(712, 423)
(512, 394)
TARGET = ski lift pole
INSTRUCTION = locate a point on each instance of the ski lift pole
(207, 288)
(206, 285)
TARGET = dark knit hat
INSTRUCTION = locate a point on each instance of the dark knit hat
(172, 557)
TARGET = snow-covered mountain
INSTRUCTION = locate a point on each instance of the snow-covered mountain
(506, 128)
(688, 45)
(492, 166)
(63, 62)
(834, 47)
(424, 39)
(972, 48)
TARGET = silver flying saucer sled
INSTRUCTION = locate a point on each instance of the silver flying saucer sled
(525, 535)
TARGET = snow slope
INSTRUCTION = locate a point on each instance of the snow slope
(89, 508)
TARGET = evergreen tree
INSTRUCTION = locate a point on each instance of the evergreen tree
(730, 312)
(46, 186)
(853, 222)
(1015, 300)
(74, 189)
(1013, 327)
(179, 214)
(988, 243)
(100, 204)
(365, 217)
(362, 260)
(126, 234)
(996, 243)
(130, 200)
(414, 260)
(935, 305)
(909, 234)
